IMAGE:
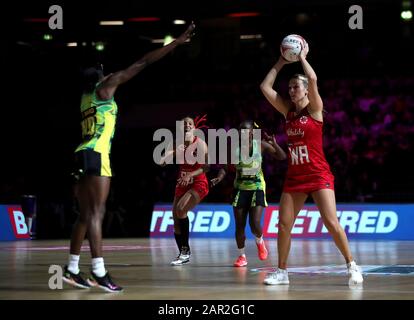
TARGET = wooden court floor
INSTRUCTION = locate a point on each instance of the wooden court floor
(142, 267)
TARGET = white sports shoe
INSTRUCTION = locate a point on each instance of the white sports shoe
(355, 274)
(183, 258)
(278, 277)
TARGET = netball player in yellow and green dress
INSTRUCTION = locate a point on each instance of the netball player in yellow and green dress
(99, 112)
(249, 196)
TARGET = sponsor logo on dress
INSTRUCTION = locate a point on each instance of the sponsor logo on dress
(295, 132)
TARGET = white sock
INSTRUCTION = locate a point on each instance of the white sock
(259, 240)
(351, 264)
(98, 266)
(73, 265)
(241, 252)
(282, 270)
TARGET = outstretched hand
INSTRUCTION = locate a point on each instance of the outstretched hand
(187, 34)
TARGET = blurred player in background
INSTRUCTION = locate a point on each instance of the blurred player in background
(192, 184)
(249, 196)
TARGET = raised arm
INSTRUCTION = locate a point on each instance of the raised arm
(267, 87)
(110, 83)
(315, 100)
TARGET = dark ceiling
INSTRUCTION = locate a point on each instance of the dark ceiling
(324, 23)
(79, 15)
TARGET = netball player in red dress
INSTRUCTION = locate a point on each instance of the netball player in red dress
(192, 185)
(308, 171)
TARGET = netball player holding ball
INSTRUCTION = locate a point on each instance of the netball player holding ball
(308, 171)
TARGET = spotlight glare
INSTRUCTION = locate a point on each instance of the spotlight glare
(179, 21)
(111, 23)
(100, 46)
(406, 15)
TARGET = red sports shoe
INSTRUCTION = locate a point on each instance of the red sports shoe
(261, 250)
(240, 262)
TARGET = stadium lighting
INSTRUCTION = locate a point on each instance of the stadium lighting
(100, 46)
(112, 23)
(179, 21)
(406, 15)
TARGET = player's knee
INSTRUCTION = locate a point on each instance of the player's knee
(240, 224)
(285, 226)
(180, 206)
(180, 209)
(97, 212)
(84, 218)
(183, 215)
(180, 213)
(333, 226)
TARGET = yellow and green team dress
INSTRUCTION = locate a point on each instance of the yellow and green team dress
(249, 184)
(98, 128)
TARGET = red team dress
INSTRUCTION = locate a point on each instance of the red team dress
(199, 183)
(308, 169)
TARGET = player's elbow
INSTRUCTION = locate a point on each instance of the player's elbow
(267, 90)
(264, 87)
